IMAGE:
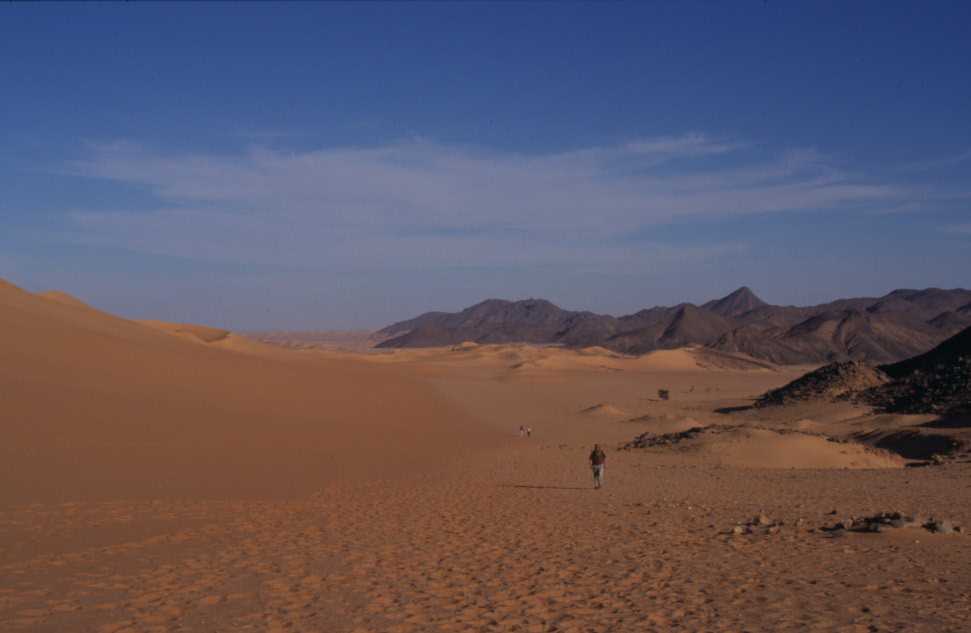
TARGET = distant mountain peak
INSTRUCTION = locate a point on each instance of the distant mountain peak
(735, 304)
(744, 292)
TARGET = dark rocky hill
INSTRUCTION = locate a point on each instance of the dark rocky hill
(886, 329)
(836, 381)
(936, 382)
(947, 353)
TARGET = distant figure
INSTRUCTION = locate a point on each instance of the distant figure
(522, 431)
(598, 459)
(529, 431)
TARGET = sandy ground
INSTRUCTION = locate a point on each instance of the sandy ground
(157, 481)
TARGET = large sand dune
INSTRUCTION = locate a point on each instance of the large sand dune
(97, 407)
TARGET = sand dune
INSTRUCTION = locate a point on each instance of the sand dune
(98, 407)
(748, 446)
(523, 358)
(764, 448)
(604, 409)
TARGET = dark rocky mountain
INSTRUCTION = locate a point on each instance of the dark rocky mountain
(952, 320)
(884, 329)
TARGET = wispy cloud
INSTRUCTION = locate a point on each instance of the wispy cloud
(940, 163)
(963, 229)
(694, 144)
(423, 203)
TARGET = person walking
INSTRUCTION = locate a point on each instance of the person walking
(598, 459)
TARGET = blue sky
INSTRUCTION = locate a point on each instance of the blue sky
(336, 166)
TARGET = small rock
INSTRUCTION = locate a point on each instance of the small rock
(940, 526)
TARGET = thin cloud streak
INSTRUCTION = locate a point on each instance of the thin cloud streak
(940, 163)
(426, 204)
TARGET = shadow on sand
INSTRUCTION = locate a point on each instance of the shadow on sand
(730, 410)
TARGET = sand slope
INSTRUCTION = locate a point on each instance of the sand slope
(99, 407)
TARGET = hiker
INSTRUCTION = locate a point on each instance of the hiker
(529, 431)
(598, 460)
(522, 431)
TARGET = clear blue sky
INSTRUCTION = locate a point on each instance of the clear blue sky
(325, 165)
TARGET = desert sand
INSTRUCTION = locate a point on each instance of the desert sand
(168, 477)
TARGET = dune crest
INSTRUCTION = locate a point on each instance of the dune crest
(202, 333)
(604, 409)
(64, 298)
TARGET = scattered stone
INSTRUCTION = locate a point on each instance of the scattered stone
(647, 440)
(650, 440)
(891, 520)
(760, 524)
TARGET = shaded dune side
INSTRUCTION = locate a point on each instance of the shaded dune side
(99, 407)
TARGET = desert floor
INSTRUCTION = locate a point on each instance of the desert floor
(276, 490)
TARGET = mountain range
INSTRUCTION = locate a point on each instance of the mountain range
(886, 329)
